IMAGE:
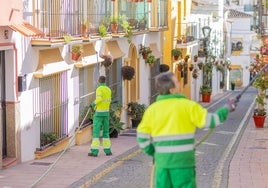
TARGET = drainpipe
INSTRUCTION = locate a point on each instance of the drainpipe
(16, 65)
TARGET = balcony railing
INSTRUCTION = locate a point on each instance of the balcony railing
(188, 32)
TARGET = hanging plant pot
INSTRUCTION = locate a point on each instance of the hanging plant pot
(176, 58)
(128, 72)
(180, 67)
(259, 121)
(144, 56)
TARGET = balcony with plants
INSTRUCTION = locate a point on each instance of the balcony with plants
(88, 24)
(188, 33)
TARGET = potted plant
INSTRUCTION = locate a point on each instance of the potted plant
(135, 112)
(144, 51)
(115, 124)
(142, 23)
(77, 50)
(200, 65)
(103, 30)
(186, 58)
(114, 20)
(191, 67)
(195, 58)
(84, 27)
(127, 28)
(195, 73)
(205, 91)
(150, 59)
(128, 72)
(176, 53)
(259, 114)
(180, 65)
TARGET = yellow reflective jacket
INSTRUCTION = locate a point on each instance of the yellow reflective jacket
(168, 126)
(103, 100)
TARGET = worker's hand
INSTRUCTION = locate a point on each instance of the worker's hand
(232, 104)
(92, 105)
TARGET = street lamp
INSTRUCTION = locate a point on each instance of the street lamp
(206, 75)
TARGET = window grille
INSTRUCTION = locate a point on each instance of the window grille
(53, 109)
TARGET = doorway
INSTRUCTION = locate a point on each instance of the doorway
(3, 104)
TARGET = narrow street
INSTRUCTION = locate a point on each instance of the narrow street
(213, 155)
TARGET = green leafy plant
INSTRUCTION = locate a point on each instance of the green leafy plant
(67, 38)
(150, 59)
(115, 123)
(86, 118)
(135, 110)
(103, 30)
(48, 138)
(176, 52)
(205, 89)
(77, 49)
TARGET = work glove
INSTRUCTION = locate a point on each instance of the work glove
(92, 105)
(231, 104)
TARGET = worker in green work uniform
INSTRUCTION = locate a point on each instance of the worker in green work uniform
(101, 119)
(167, 130)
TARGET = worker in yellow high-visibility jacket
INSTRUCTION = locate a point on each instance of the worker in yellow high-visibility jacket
(101, 119)
(167, 130)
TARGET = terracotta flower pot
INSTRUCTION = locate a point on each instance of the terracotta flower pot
(75, 56)
(206, 97)
(259, 121)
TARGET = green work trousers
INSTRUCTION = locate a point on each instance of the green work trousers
(98, 123)
(175, 178)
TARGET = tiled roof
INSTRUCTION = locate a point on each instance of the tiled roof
(237, 14)
(27, 29)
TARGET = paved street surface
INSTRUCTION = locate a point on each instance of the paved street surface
(213, 155)
(222, 160)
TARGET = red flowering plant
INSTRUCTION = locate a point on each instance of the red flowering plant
(260, 83)
(264, 50)
(257, 65)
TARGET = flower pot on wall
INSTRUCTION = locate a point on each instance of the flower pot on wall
(259, 121)
(75, 56)
(114, 27)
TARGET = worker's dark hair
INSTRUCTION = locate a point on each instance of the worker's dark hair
(163, 68)
(164, 82)
(102, 79)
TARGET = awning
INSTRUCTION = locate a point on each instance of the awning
(113, 48)
(88, 50)
(27, 29)
(50, 62)
(89, 56)
(89, 60)
(155, 50)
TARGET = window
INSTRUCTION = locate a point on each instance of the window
(53, 108)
